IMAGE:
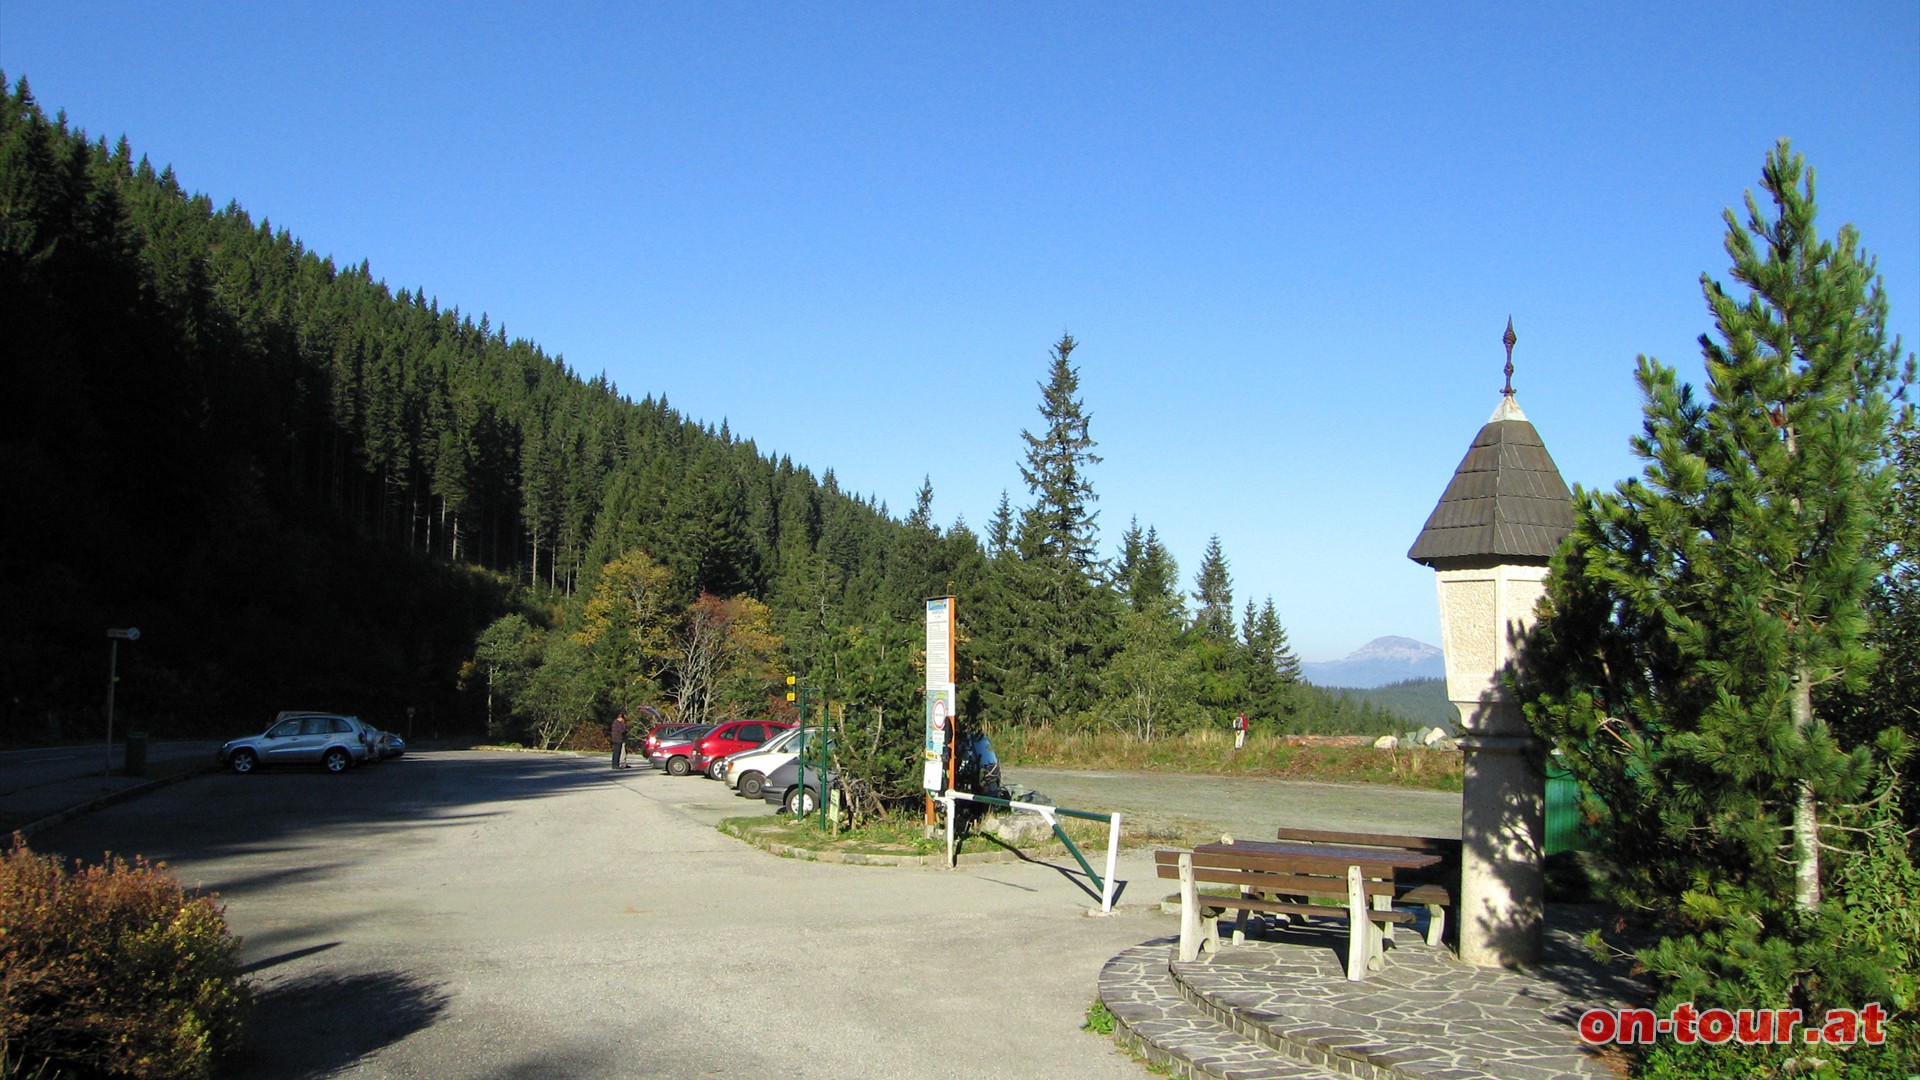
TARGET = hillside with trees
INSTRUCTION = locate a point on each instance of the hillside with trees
(310, 489)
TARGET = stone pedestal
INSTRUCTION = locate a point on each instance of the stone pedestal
(1502, 826)
(1483, 612)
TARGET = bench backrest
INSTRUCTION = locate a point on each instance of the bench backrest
(1438, 845)
(1288, 875)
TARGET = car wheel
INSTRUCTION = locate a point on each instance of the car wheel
(800, 802)
(677, 766)
(243, 762)
(752, 784)
(337, 760)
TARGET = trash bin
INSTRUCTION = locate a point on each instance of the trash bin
(136, 754)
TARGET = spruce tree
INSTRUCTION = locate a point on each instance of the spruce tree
(1059, 622)
(1271, 670)
(1151, 683)
(1211, 639)
(1213, 592)
(1146, 574)
(1700, 618)
(1060, 524)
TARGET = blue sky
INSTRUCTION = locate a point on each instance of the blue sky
(1287, 236)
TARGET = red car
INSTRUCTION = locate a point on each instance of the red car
(731, 738)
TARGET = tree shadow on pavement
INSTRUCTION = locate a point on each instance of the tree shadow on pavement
(293, 817)
(318, 1024)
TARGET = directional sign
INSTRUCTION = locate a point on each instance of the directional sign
(131, 633)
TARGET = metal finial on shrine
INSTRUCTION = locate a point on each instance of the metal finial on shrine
(1508, 339)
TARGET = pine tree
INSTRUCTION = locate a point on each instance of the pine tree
(1060, 524)
(1214, 646)
(1271, 670)
(1146, 574)
(1059, 623)
(1700, 617)
(1000, 528)
(1213, 592)
(1892, 698)
(1151, 683)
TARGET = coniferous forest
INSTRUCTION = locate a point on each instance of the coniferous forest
(308, 489)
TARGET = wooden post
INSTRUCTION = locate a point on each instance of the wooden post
(1189, 910)
(1359, 927)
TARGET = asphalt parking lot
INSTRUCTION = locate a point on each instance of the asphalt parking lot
(492, 914)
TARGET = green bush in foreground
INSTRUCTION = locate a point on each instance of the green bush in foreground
(113, 971)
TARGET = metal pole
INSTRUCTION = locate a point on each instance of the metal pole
(800, 807)
(113, 676)
(1052, 814)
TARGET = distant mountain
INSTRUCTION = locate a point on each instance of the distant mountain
(1377, 663)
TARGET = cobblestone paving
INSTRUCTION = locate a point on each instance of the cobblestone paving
(1151, 1017)
(1425, 1016)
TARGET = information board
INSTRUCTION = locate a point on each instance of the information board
(942, 694)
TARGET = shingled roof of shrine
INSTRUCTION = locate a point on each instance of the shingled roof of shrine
(1506, 502)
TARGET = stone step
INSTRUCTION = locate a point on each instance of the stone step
(1154, 1020)
(1425, 1016)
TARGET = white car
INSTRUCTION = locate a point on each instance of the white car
(747, 771)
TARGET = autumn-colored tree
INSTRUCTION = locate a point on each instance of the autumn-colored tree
(630, 624)
(729, 657)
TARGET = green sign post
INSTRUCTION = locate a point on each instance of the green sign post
(803, 698)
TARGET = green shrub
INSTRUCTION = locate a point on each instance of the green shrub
(114, 970)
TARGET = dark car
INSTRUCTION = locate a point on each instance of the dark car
(731, 738)
(795, 786)
(674, 753)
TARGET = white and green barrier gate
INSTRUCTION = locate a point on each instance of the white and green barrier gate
(1052, 814)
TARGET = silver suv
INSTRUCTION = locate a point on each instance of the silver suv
(330, 740)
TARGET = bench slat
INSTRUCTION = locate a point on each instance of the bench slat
(1439, 844)
(1330, 863)
(1255, 903)
(1287, 884)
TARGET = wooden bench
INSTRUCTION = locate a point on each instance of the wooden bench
(1282, 884)
(1433, 887)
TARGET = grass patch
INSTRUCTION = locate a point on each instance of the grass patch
(894, 834)
(1211, 753)
(1099, 1018)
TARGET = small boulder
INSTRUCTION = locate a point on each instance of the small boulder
(1018, 829)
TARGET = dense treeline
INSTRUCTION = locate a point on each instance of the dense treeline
(310, 490)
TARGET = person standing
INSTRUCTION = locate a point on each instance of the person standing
(619, 737)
